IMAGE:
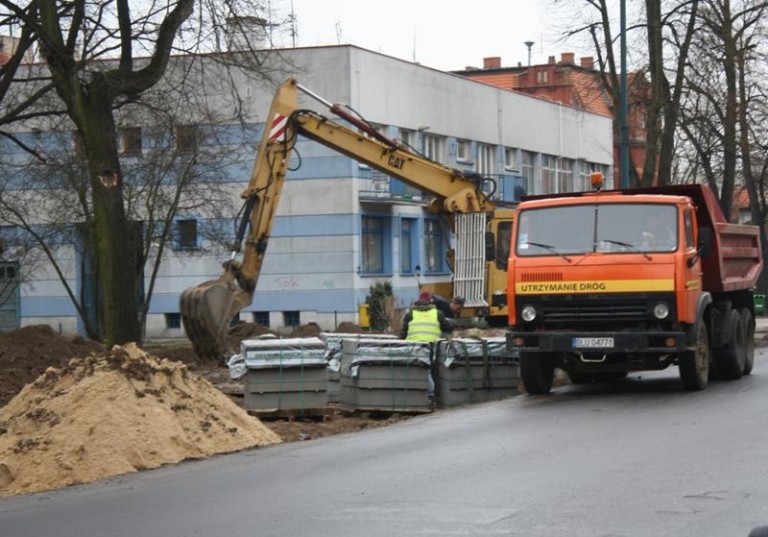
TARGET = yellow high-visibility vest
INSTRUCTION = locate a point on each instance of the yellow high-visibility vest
(424, 326)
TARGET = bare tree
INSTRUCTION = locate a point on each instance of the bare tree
(99, 57)
(716, 115)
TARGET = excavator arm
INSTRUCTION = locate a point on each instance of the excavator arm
(208, 308)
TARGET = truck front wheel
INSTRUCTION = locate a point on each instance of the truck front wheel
(694, 365)
(536, 371)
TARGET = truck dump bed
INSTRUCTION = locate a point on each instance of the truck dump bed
(736, 258)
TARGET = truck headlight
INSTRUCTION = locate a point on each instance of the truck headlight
(661, 311)
(528, 313)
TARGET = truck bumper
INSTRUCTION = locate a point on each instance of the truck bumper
(598, 342)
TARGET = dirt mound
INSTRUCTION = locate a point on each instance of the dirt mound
(307, 330)
(348, 328)
(27, 352)
(112, 413)
(245, 331)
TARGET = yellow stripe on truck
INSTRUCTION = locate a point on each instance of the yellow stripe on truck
(606, 286)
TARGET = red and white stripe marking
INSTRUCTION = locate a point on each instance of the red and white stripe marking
(277, 131)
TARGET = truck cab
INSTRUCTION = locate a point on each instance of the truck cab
(604, 283)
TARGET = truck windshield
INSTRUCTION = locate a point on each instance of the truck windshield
(606, 227)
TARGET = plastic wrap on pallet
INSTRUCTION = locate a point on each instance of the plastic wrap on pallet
(333, 345)
(288, 352)
(473, 348)
(357, 352)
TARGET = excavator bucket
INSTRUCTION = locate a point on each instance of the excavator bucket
(206, 311)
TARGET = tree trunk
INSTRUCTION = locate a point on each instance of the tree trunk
(659, 92)
(116, 252)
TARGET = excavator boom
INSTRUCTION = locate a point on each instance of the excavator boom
(207, 309)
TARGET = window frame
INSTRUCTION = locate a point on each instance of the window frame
(434, 246)
(179, 242)
(187, 136)
(131, 141)
(412, 245)
(384, 245)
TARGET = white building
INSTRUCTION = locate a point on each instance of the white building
(341, 227)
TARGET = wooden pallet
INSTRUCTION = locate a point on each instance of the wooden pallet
(292, 413)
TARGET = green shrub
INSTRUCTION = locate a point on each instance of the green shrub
(380, 295)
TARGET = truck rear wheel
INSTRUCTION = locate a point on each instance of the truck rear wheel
(694, 365)
(749, 334)
(536, 371)
(730, 360)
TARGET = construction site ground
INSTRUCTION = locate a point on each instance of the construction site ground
(72, 411)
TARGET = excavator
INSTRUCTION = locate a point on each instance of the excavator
(482, 230)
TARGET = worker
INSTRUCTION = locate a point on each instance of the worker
(450, 308)
(424, 322)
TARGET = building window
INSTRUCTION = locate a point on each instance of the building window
(462, 151)
(173, 320)
(408, 252)
(582, 181)
(372, 245)
(432, 147)
(186, 236)
(261, 318)
(408, 138)
(186, 137)
(548, 174)
(291, 319)
(9, 272)
(485, 155)
(526, 169)
(541, 77)
(510, 159)
(434, 248)
(564, 175)
(130, 138)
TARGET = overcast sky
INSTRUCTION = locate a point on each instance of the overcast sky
(443, 34)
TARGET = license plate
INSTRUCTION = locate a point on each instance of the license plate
(593, 343)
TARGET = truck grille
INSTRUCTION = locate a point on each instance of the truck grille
(594, 311)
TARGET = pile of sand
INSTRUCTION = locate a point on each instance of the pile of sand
(116, 412)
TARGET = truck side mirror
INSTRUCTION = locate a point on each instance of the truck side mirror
(490, 246)
(704, 246)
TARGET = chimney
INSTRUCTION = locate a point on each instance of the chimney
(493, 62)
(588, 62)
(567, 58)
(551, 59)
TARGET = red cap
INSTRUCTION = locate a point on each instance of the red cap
(425, 297)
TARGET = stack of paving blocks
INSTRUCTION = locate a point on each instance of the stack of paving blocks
(333, 357)
(386, 375)
(285, 374)
(473, 370)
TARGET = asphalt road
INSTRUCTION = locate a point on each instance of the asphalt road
(640, 457)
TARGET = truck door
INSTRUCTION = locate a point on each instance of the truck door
(693, 273)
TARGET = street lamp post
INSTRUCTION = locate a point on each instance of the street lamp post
(623, 106)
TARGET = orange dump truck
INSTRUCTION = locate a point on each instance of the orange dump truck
(607, 282)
